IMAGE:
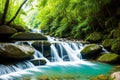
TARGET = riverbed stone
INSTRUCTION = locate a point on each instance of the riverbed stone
(94, 37)
(14, 51)
(111, 58)
(39, 61)
(28, 36)
(115, 76)
(116, 46)
(91, 51)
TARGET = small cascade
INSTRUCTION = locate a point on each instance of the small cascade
(60, 52)
(54, 54)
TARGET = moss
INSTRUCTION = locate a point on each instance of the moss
(109, 58)
(116, 46)
(94, 37)
(107, 43)
(91, 50)
(28, 36)
(116, 33)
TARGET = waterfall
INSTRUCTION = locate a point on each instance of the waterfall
(59, 52)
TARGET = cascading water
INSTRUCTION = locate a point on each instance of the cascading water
(65, 60)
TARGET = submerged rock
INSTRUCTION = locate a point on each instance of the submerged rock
(115, 76)
(94, 37)
(13, 51)
(116, 46)
(39, 61)
(28, 36)
(91, 51)
(109, 58)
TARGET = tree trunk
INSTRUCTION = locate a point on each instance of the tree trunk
(5, 12)
(12, 19)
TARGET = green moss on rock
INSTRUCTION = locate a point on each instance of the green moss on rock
(91, 50)
(107, 43)
(116, 46)
(109, 58)
(94, 37)
(28, 36)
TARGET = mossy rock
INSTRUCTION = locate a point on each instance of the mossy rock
(19, 28)
(91, 51)
(94, 37)
(111, 58)
(107, 43)
(116, 33)
(116, 46)
(14, 51)
(28, 36)
(43, 47)
(6, 32)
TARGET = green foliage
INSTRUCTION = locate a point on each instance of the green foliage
(66, 18)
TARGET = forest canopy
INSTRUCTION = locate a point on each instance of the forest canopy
(63, 18)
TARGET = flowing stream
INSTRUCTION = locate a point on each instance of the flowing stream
(64, 63)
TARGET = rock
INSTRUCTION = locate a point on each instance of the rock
(6, 31)
(39, 61)
(43, 47)
(107, 43)
(115, 76)
(19, 28)
(116, 46)
(13, 51)
(116, 33)
(111, 58)
(94, 37)
(28, 36)
(91, 51)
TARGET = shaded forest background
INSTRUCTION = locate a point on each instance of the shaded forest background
(62, 18)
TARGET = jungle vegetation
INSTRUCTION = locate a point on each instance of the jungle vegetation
(63, 18)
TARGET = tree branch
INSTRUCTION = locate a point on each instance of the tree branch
(5, 12)
(17, 12)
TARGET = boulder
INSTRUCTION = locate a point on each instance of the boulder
(39, 61)
(107, 43)
(94, 37)
(6, 31)
(28, 36)
(111, 58)
(14, 51)
(43, 47)
(115, 76)
(116, 32)
(19, 28)
(116, 46)
(91, 51)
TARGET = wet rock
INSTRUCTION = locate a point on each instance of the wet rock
(115, 76)
(91, 51)
(94, 37)
(43, 47)
(39, 61)
(107, 43)
(6, 31)
(28, 36)
(116, 46)
(13, 51)
(111, 58)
